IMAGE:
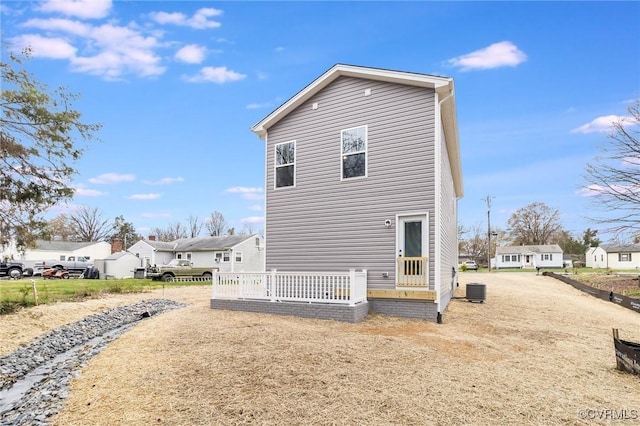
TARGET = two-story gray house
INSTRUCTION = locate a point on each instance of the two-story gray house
(363, 172)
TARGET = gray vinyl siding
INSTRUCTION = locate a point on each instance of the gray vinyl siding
(325, 224)
(448, 219)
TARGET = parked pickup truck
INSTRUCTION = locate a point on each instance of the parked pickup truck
(178, 268)
(73, 264)
(11, 269)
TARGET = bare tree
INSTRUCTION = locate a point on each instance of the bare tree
(195, 226)
(216, 224)
(87, 225)
(60, 227)
(614, 177)
(534, 224)
(476, 246)
(173, 231)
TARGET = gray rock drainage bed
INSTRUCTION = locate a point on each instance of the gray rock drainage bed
(34, 379)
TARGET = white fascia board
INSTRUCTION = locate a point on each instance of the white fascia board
(440, 84)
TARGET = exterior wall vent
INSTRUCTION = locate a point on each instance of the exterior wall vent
(314, 105)
(367, 92)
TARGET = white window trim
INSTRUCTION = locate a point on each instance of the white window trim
(276, 165)
(366, 153)
(237, 254)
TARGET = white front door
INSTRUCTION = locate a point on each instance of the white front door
(412, 236)
(411, 266)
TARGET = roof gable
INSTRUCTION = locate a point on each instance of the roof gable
(443, 87)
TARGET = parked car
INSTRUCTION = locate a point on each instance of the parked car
(470, 265)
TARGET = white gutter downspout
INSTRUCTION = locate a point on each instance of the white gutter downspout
(438, 228)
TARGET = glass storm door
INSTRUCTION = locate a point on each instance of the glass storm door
(412, 246)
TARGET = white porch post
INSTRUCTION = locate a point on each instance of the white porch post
(352, 285)
(272, 285)
(214, 281)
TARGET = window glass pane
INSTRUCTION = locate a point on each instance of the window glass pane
(353, 165)
(354, 140)
(413, 239)
(284, 176)
(285, 153)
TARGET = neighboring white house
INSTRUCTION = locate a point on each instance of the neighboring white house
(229, 253)
(614, 256)
(363, 174)
(61, 250)
(596, 257)
(532, 256)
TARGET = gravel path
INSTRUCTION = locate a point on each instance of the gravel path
(34, 378)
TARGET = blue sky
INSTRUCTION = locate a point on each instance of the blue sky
(177, 86)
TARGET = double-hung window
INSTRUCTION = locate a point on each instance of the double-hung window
(624, 257)
(354, 152)
(285, 164)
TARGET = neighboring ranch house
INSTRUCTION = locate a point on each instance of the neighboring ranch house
(363, 178)
(62, 250)
(532, 256)
(121, 264)
(614, 256)
(227, 253)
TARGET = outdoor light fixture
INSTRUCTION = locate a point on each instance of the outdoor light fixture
(387, 223)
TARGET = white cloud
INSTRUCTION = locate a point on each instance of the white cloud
(279, 49)
(253, 219)
(602, 124)
(86, 192)
(191, 54)
(256, 105)
(142, 196)
(112, 178)
(497, 55)
(200, 20)
(248, 193)
(256, 207)
(86, 9)
(109, 51)
(43, 47)
(215, 75)
(164, 181)
(57, 24)
(593, 190)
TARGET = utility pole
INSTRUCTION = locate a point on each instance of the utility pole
(488, 201)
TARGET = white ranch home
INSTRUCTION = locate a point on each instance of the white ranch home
(614, 256)
(363, 178)
(529, 256)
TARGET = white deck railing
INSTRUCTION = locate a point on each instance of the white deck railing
(320, 287)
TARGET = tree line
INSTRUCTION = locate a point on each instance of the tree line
(534, 224)
(88, 224)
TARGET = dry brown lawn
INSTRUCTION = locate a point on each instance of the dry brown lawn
(537, 352)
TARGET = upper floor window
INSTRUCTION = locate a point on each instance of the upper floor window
(238, 256)
(285, 164)
(354, 152)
